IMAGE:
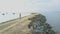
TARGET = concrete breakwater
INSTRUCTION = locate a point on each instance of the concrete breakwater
(31, 24)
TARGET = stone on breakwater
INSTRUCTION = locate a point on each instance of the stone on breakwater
(32, 24)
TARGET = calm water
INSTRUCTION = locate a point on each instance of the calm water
(53, 18)
(10, 16)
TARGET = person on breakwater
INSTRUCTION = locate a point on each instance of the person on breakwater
(20, 15)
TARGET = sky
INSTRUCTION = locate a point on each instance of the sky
(25, 7)
(29, 5)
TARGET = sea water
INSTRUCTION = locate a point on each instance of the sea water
(53, 18)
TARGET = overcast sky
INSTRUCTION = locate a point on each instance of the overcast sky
(26, 6)
(30, 5)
